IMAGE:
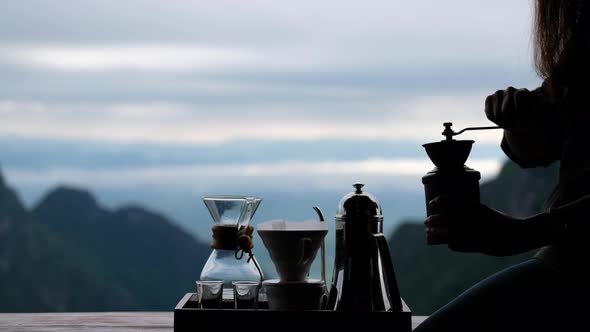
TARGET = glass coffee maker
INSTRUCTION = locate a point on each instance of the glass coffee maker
(230, 261)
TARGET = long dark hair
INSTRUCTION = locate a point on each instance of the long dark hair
(562, 38)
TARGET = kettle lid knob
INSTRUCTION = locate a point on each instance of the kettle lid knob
(358, 187)
(358, 204)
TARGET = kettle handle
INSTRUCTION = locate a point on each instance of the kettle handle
(383, 249)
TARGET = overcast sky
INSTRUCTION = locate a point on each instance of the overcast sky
(137, 83)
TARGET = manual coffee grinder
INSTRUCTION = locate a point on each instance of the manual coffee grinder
(451, 176)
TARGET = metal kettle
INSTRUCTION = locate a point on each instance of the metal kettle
(364, 278)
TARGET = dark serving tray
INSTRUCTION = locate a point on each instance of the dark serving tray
(187, 317)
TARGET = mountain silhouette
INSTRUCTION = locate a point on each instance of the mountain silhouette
(71, 254)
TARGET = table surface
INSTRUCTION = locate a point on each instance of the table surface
(99, 321)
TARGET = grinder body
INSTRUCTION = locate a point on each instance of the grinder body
(462, 182)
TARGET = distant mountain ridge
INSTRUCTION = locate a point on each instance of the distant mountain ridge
(71, 254)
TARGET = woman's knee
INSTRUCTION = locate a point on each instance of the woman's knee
(515, 295)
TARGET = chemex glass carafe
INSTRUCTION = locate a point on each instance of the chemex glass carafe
(231, 215)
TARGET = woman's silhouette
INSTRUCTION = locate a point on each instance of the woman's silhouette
(550, 292)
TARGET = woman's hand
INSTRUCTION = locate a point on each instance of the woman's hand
(531, 125)
(473, 227)
(511, 108)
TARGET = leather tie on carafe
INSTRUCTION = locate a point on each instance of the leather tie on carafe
(230, 238)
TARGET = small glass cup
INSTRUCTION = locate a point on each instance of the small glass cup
(246, 294)
(209, 294)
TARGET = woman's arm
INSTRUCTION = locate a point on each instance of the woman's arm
(474, 227)
(566, 223)
(531, 148)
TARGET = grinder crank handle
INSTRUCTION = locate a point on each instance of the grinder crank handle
(448, 133)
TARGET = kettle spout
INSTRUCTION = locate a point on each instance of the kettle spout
(323, 248)
(323, 256)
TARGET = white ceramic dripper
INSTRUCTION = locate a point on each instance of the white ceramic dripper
(293, 247)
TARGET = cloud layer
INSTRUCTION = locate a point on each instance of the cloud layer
(417, 120)
(205, 72)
